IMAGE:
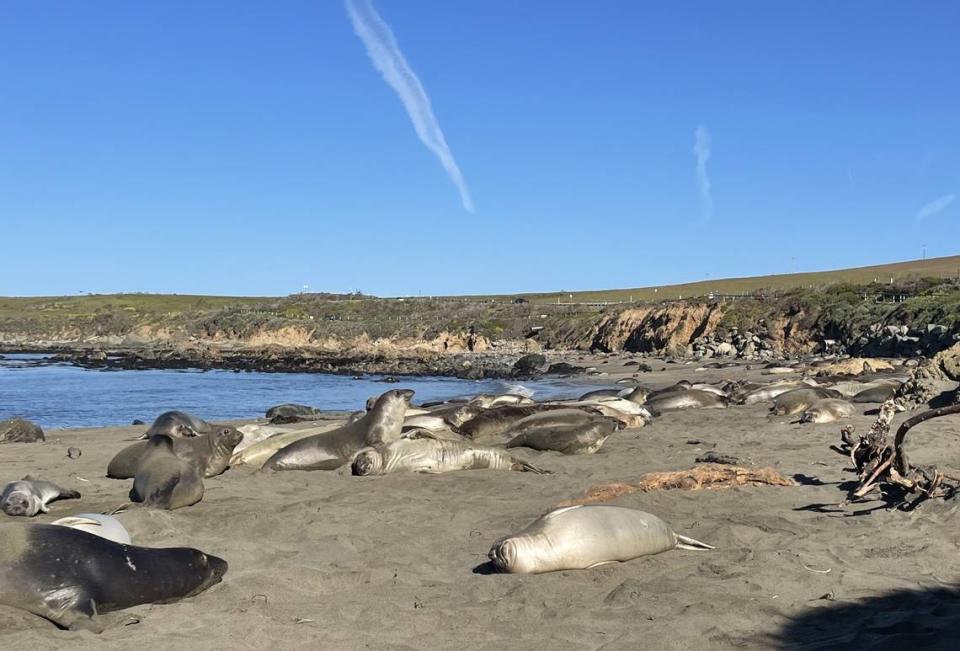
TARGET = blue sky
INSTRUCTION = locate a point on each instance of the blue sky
(252, 148)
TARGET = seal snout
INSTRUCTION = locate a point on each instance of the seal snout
(502, 554)
(364, 463)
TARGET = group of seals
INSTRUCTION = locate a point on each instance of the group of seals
(330, 450)
(69, 576)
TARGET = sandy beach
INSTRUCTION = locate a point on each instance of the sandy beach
(327, 560)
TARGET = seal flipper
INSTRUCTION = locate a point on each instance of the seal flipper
(71, 608)
(523, 466)
(692, 545)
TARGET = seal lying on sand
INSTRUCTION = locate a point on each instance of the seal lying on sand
(105, 526)
(209, 453)
(584, 438)
(256, 454)
(581, 537)
(292, 413)
(178, 424)
(797, 400)
(163, 479)
(330, 450)
(30, 496)
(69, 576)
(877, 393)
(688, 399)
(435, 456)
(827, 411)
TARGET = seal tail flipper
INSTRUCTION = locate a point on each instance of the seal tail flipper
(523, 466)
(66, 494)
(692, 545)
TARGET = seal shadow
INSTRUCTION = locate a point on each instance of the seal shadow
(902, 619)
(486, 569)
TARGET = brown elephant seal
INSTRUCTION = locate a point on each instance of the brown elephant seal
(688, 399)
(490, 423)
(208, 453)
(435, 456)
(584, 438)
(30, 496)
(69, 576)
(581, 537)
(330, 450)
(18, 430)
(600, 393)
(178, 424)
(797, 400)
(828, 410)
(292, 413)
(164, 480)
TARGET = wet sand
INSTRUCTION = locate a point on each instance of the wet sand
(327, 560)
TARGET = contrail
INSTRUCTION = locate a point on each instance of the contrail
(936, 206)
(384, 52)
(701, 148)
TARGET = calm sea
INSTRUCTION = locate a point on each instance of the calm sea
(61, 395)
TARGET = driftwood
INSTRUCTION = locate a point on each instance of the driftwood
(885, 467)
(705, 476)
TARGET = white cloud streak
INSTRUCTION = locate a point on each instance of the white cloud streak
(701, 148)
(935, 206)
(385, 54)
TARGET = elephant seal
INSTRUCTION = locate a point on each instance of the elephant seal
(797, 400)
(582, 537)
(571, 439)
(435, 456)
(178, 424)
(827, 410)
(688, 399)
(30, 496)
(330, 450)
(292, 413)
(18, 430)
(600, 393)
(208, 453)
(163, 479)
(69, 576)
(105, 526)
(257, 453)
(877, 393)
(485, 401)
(492, 422)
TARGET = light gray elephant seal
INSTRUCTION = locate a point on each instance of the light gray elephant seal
(585, 438)
(686, 399)
(798, 400)
(330, 450)
(69, 576)
(30, 496)
(581, 537)
(105, 526)
(828, 410)
(178, 424)
(164, 480)
(877, 393)
(209, 453)
(435, 456)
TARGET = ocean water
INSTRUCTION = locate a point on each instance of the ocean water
(56, 395)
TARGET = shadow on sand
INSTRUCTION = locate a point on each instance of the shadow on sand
(906, 620)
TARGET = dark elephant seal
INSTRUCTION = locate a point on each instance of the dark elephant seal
(600, 393)
(209, 453)
(434, 456)
(383, 423)
(292, 413)
(491, 423)
(30, 496)
(878, 393)
(582, 537)
(164, 480)
(585, 438)
(69, 576)
(178, 424)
